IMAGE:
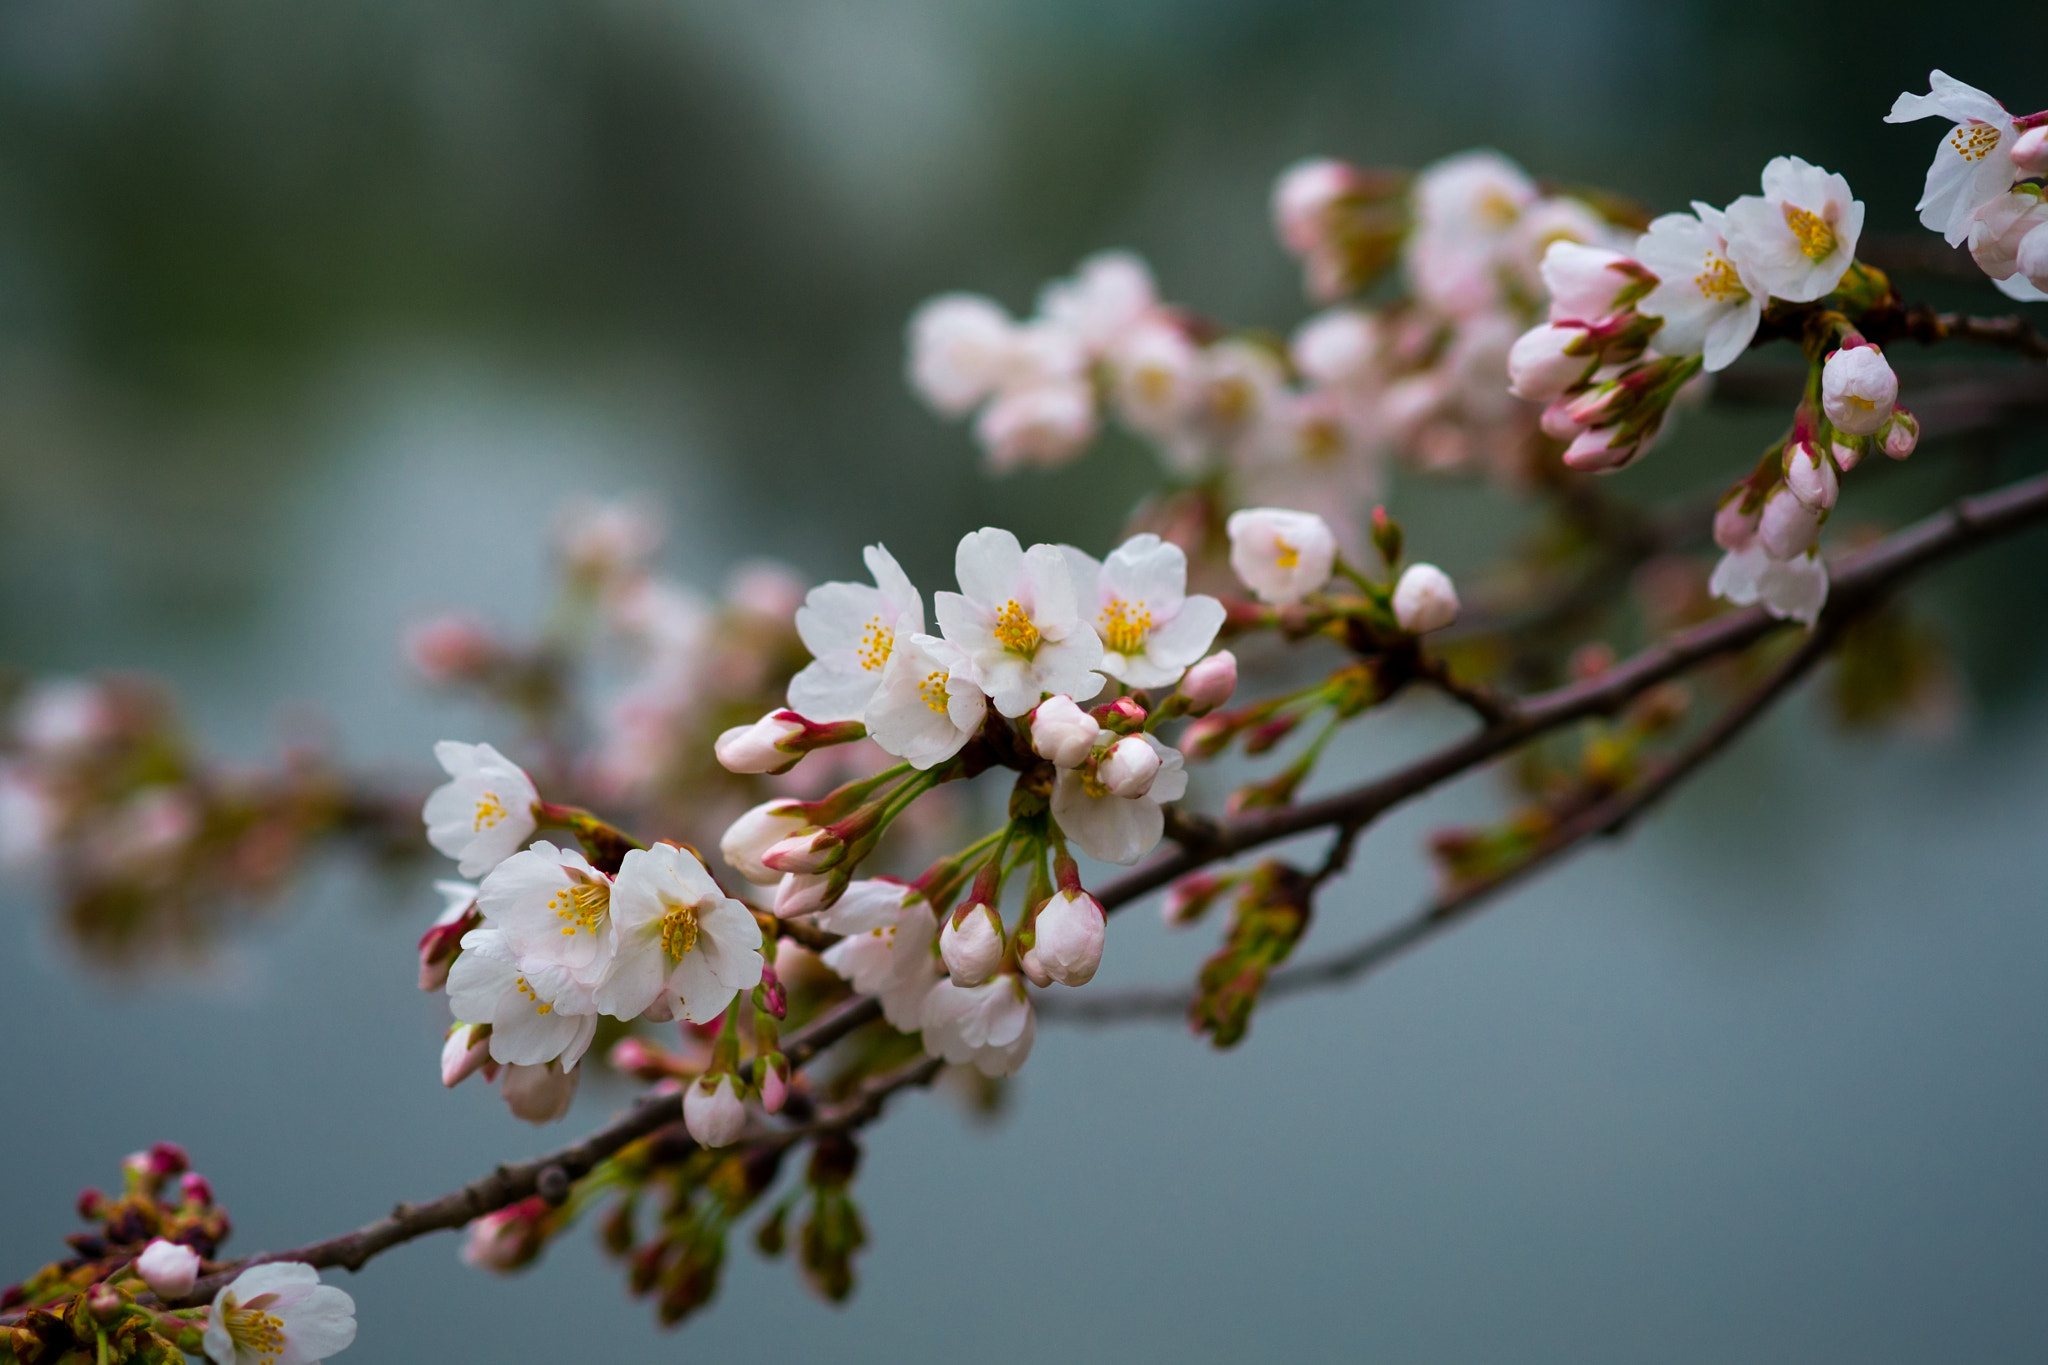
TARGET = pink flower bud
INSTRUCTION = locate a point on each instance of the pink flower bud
(464, 1053)
(810, 852)
(1811, 477)
(2030, 151)
(507, 1239)
(1210, 683)
(167, 1159)
(971, 945)
(1129, 768)
(1588, 283)
(1063, 733)
(1601, 450)
(799, 893)
(1541, 366)
(760, 829)
(539, 1094)
(170, 1270)
(635, 1058)
(1733, 527)
(757, 748)
(1303, 197)
(1070, 931)
(1788, 527)
(196, 1190)
(451, 649)
(89, 1203)
(1901, 434)
(774, 1085)
(1847, 453)
(1557, 421)
(713, 1111)
(1425, 599)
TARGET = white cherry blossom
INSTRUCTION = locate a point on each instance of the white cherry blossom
(989, 1026)
(1118, 829)
(1137, 599)
(850, 629)
(1157, 373)
(1040, 426)
(1792, 589)
(886, 950)
(536, 1015)
(680, 939)
(1798, 239)
(928, 704)
(1110, 294)
(1998, 228)
(962, 347)
(279, 1313)
(1710, 302)
(1016, 623)
(484, 812)
(1281, 555)
(553, 908)
(1973, 164)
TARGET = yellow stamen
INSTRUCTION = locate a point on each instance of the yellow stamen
(1125, 626)
(1015, 631)
(1285, 555)
(933, 689)
(1860, 403)
(1322, 440)
(876, 640)
(582, 904)
(1719, 283)
(1230, 401)
(678, 929)
(540, 1006)
(1974, 142)
(253, 1330)
(489, 811)
(1497, 210)
(1816, 237)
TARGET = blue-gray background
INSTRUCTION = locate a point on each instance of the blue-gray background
(309, 316)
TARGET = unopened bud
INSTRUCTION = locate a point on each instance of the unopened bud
(451, 649)
(774, 1072)
(1190, 898)
(799, 893)
(170, 1270)
(1901, 434)
(816, 851)
(1425, 599)
(757, 748)
(1811, 476)
(1122, 715)
(89, 1204)
(197, 1190)
(1858, 388)
(1210, 682)
(464, 1053)
(1129, 769)
(1734, 528)
(1070, 931)
(971, 945)
(1543, 365)
(1207, 737)
(713, 1111)
(2030, 151)
(1386, 536)
(754, 833)
(1063, 733)
(1788, 527)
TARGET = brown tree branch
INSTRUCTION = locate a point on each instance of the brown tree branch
(1858, 578)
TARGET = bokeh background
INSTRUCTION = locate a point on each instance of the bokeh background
(311, 316)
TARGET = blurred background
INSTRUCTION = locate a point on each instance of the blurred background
(311, 317)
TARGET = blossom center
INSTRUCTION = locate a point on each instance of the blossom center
(1125, 626)
(582, 905)
(253, 1330)
(1230, 401)
(1285, 556)
(876, 640)
(1974, 142)
(489, 811)
(1816, 238)
(1497, 210)
(678, 929)
(1154, 384)
(933, 689)
(1322, 440)
(1719, 283)
(540, 1006)
(1015, 631)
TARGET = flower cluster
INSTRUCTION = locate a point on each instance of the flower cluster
(547, 941)
(1308, 425)
(1980, 186)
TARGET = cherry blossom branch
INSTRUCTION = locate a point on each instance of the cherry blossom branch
(1609, 817)
(1859, 579)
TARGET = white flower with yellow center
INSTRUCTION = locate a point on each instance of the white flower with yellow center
(279, 1314)
(1151, 629)
(928, 705)
(537, 1013)
(1798, 239)
(1710, 302)
(554, 909)
(484, 812)
(679, 937)
(1973, 164)
(1112, 828)
(1111, 293)
(1016, 622)
(850, 629)
(886, 948)
(1281, 555)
